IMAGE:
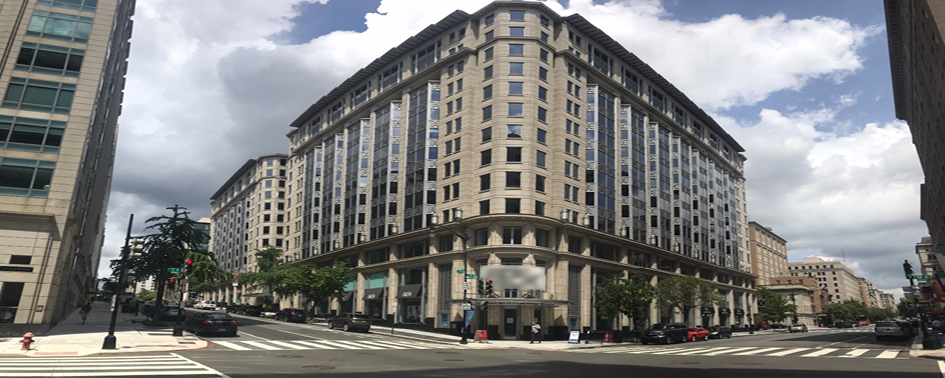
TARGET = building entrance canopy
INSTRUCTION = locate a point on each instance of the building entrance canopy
(372, 294)
(517, 302)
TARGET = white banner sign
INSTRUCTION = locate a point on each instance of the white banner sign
(521, 277)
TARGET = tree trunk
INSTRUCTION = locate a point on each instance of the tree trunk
(160, 294)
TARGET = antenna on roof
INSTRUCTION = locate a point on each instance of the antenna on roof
(844, 256)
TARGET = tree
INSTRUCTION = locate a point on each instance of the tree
(321, 285)
(838, 312)
(146, 295)
(686, 293)
(270, 273)
(776, 306)
(617, 295)
(905, 311)
(176, 236)
(206, 276)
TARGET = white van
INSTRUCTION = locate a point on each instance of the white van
(206, 305)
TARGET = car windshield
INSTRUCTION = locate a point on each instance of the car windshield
(659, 326)
(887, 324)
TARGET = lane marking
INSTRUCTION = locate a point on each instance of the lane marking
(261, 338)
(695, 350)
(299, 334)
(756, 351)
(941, 367)
(821, 352)
(312, 344)
(843, 341)
(336, 344)
(261, 345)
(727, 350)
(115, 373)
(231, 345)
(359, 344)
(787, 352)
(200, 365)
(401, 344)
(855, 353)
(671, 350)
(888, 353)
(385, 346)
(285, 344)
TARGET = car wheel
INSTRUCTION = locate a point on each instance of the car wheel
(233, 334)
(644, 342)
(345, 327)
(706, 338)
(729, 336)
(331, 325)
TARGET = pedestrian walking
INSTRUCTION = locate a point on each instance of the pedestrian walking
(536, 333)
(84, 311)
(939, 327)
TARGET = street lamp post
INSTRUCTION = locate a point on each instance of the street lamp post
(110, 341)
(457, 215)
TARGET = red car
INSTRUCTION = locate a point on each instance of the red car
(698, 333)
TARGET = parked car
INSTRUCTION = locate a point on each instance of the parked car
(291, 315)
(348, 322)
(697, 333)
(211, 322)
(233, 308)
(886, 330)
(665, 333)
(798, 328)
(147, 309)
(189, 304)
(206, 305)
(844, 325)
(171, 311)
(221, 305)
(251, 310)
(718, 332)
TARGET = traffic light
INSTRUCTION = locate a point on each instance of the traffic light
(170, 284)
(796, 318)
(481, 287)
(907, 267)
(188, 267)
(927, 292)
(488, 289)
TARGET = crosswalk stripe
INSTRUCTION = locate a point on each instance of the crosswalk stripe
(669, 351)
(748, 353)
(114, 373)
(261, 345)
(285, 344)
(337, 344)
(231, 345)
(387, 346)
(855, 353)
(821, 352)
(313, 344)
(888, 353)
(694, 351)
(726, 350)
(359, 344)
(787, 352)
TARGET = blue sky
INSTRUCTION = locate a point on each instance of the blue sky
(803, 85)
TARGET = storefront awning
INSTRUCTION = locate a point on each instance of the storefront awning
(372, 294)
(517, 302)
(725, 311)
(409, 291)
(739, 312)
(346, 296)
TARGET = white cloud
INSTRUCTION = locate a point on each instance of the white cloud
(209, 88)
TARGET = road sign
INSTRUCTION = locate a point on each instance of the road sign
(919, 276)
(920, 305)
(467, 285)
(467, 306)
(460, 271)
(470, 275)
(174, 270)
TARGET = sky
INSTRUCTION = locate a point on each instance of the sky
(803, 85)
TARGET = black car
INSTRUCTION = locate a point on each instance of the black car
(665, 333)
(291, 315)
(351, 322)
(250, 310)
(719, 332)
(211, 322)
(844, 325)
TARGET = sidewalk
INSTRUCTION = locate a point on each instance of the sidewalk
(917, 351)
(72, 338)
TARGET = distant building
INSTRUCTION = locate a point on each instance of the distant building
(248, 213)
(804, 292)
(888, 301)
(868, 292)
(768, 253)
(832, 275)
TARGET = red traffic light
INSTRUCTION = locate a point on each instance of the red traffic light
(189, 261)
(489, 282)
(171, 280)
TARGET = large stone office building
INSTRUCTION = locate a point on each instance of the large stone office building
(536, 147)
(62, 67)
(768, 253)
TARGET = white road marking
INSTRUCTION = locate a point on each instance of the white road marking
(787, 352)
(231, 345)
(299, 334)
(821, 352)
(285, 344)
(727, 350)
(313, 344)
(855, 353)
(358, 344)
(941, 368)
(261, 338)
(261, 345)
(888, 353)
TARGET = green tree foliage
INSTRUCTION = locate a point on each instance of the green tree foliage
(839, 312)
(686, 293)
(777, 307)
(617, 295)
(176, 236)
(321, 285)
(285, 279)
(146, 295)
(206, 276)
(904, 310)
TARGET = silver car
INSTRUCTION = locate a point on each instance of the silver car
(798, 328)
(890, 330)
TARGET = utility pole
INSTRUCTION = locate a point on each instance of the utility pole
(110, 341)
(907, 268)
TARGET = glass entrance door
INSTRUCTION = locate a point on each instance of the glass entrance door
(511, 323)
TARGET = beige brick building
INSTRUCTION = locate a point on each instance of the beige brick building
(803, 292)
(552, 150)
(768, 253)
(249, 214)
(61, 74)
(836, 277)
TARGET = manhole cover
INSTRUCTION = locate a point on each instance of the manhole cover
(319, 367)
(287, 356)
(453, 360)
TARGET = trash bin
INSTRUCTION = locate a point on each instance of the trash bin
(931, 340)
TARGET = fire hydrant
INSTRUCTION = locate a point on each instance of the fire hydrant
(27, 340)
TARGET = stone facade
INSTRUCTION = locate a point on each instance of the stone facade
(768, 253)
(59, 128)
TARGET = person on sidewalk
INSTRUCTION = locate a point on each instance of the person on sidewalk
(84, 311)
(938, 327)
(536, 333)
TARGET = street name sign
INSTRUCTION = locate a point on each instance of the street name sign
(174, 270)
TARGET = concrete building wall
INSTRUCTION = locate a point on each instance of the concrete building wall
(832, 275)
(768, 253)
